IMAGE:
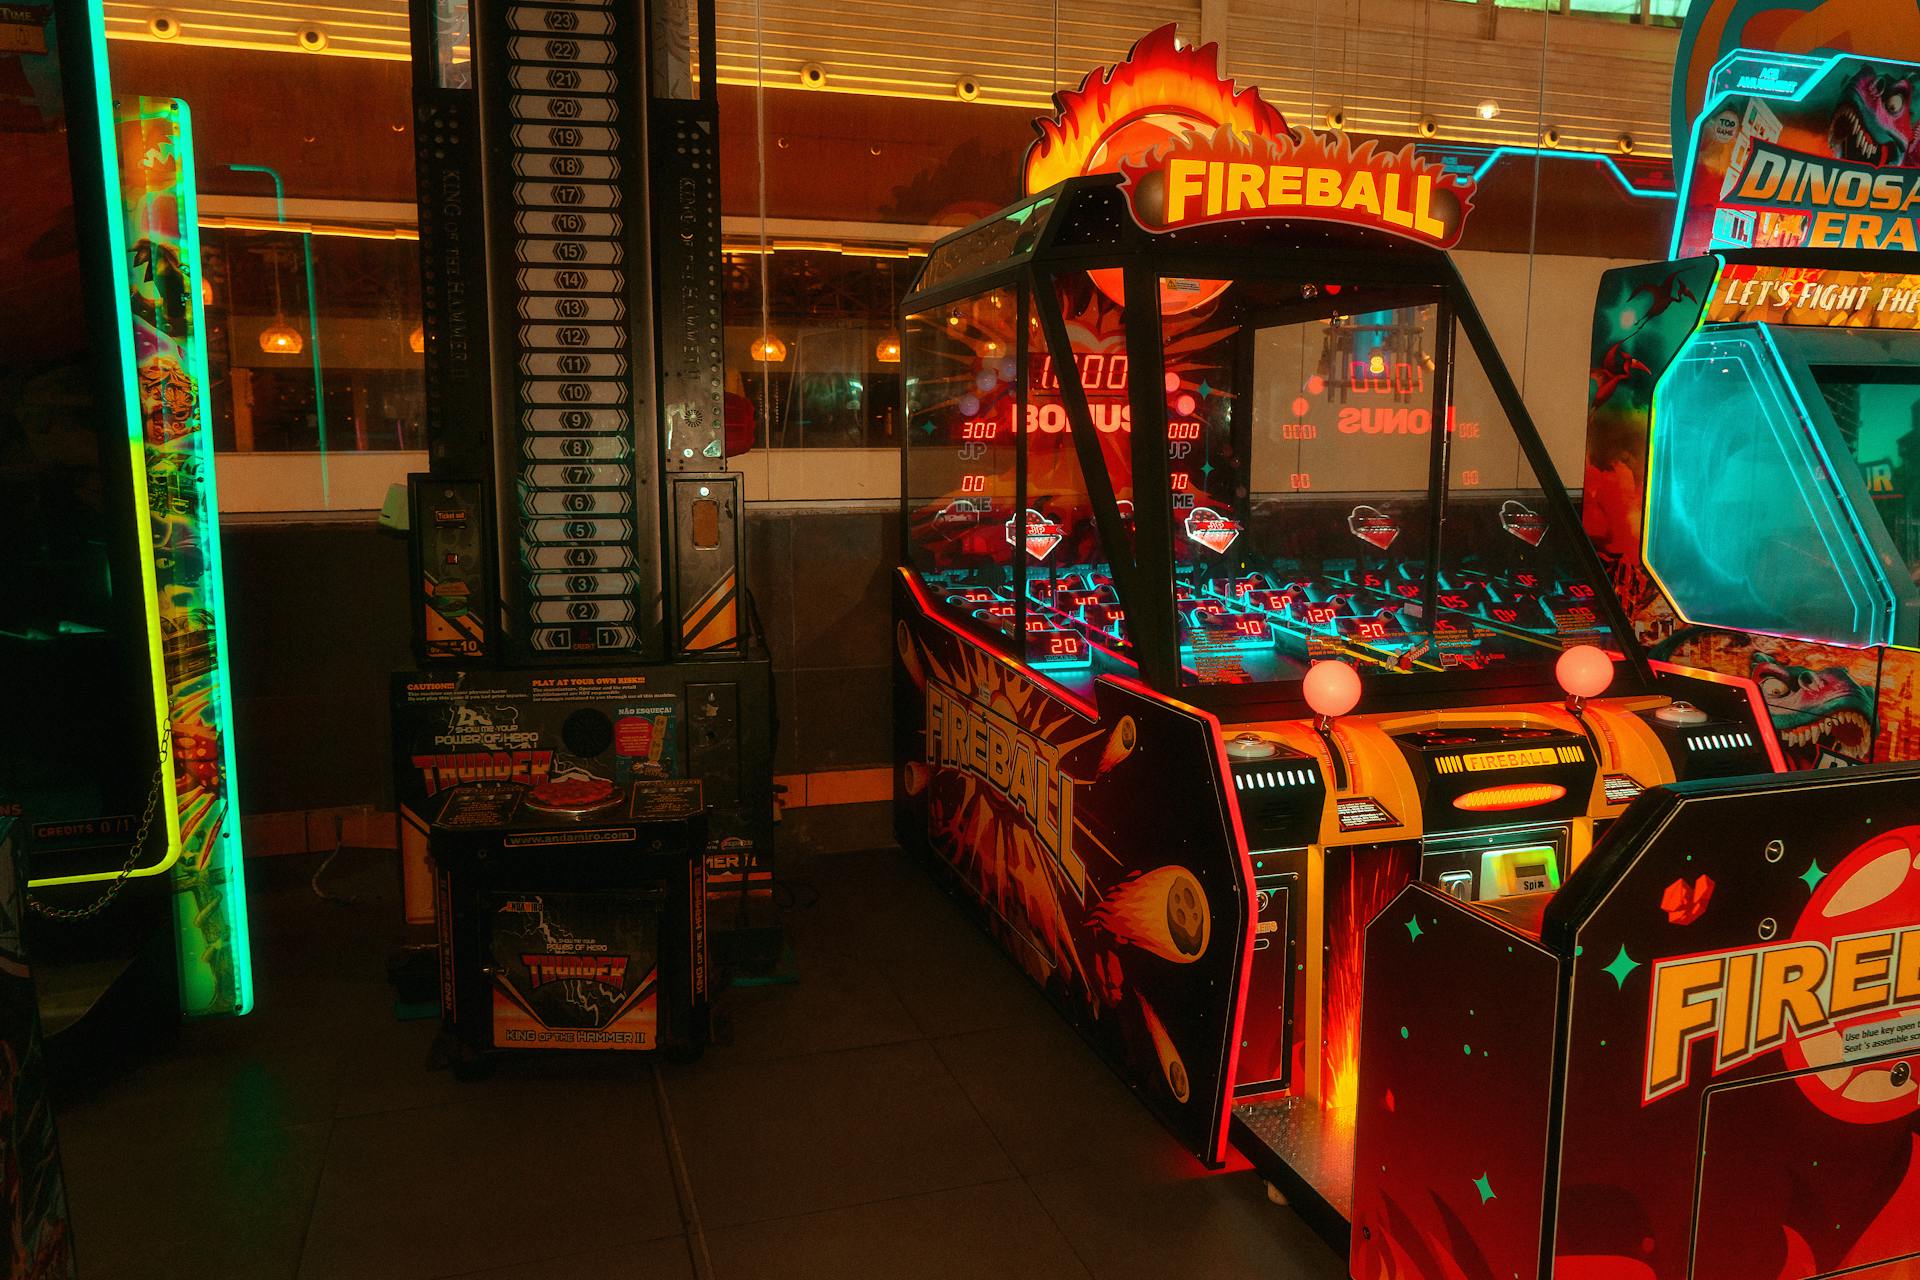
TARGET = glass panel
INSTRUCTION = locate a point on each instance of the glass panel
(1877, 411)
(962, 397)
(452, 44)
(1074, 609)
(1747, 525)
(1511, 586)
(1299, 429)
(358, 386)
(821, 365)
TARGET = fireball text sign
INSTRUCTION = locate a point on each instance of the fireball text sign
(1227, 176)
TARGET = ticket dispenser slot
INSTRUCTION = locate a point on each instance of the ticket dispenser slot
(707, 598)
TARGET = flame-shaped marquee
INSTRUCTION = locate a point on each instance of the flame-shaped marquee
(1158, 92)
(1195, 149)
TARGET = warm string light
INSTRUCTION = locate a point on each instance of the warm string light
(767, 349)
(888, 352)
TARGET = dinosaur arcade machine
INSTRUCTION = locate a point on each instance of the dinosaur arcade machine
(1753, 474)
(577, 544)
(1697, 1057)
(1239, 595)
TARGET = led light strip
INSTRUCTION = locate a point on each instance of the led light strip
(161, 246)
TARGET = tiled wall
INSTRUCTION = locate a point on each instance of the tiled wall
(319, 620)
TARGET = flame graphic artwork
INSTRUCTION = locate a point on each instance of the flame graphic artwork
(999, 854)
(1158, 92)
(1163, 911)
(1171, 1065)
(1360, 886)
(1162, 91)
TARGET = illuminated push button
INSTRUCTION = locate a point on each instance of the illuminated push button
(1680, 713)
(1584, 672)
(1251, 746)
(1331, 688)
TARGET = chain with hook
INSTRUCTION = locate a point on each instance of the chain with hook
(139, 846)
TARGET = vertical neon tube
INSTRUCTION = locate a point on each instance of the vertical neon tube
(95, 35)
(162, 246)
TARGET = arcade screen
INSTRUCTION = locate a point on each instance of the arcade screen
(1344, 483)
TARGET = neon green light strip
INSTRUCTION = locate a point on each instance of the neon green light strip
(164, 293)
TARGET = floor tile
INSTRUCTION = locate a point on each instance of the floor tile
(159, 1212)
(198, 1098)
(664, 1259)
(1052, 1102)
(953, 978)
(839, 1002)
(1129, 1223)
(996, 1231)
(798, 1135)
(509, 1178)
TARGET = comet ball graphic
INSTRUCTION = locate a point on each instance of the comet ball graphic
(1163, 912)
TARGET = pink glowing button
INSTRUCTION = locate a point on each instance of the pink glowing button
(1331, 688)
(1584, 671)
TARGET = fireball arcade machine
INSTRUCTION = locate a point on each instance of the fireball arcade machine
(1753, 472)
(1238, 593)
(580, 614)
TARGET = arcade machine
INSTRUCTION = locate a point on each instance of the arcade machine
(1238, 594)
(1696, 1058)
(113, 637)
(1754, 402)
(580, 618)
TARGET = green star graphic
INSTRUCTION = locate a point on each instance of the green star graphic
(1622, 965)
(1413, 928)
(1484, 1187)
(1204, 389)
(1206, 468)
(1813, 875)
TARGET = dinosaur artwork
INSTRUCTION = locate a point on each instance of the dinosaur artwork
(1823, 717)
(1874, 121)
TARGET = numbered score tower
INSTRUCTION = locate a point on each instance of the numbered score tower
(578, 512)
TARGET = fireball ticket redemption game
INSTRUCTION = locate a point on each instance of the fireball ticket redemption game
(114, 639)
(1238, 595)
(580, 614)
(1754, 403)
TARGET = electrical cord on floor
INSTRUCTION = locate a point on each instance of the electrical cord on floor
(696, 1236)
(791, 894)
(338, 900)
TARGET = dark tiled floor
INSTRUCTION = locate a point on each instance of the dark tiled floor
(910, 1109)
